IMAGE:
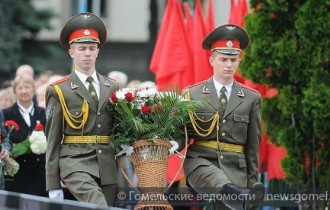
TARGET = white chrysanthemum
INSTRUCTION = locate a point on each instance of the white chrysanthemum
(38, 142)
(148, 92)
(121, 93)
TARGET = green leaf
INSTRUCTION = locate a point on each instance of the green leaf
(21, 148)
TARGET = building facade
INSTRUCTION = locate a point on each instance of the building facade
(132, 31)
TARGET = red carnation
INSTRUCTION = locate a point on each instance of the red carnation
(113, 97)
(146, 109)
(129, 97)
(39, 126)
(12, 124)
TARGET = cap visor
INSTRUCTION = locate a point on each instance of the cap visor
(228, 52)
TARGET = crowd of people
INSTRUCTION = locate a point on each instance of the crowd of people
(79, 162)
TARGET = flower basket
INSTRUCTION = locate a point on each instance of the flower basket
(151, 157)
(149, 121)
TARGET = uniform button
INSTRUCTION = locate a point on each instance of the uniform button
(100, 151)
(24, 161)
(77, 113)
(99, 113)
(37, 159)
(223, 134)
(224, 121)
(99, 125)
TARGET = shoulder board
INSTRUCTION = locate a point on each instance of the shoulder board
(189, 86)
(59, 81)
(250, 88)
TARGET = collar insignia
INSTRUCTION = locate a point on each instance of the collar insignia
(73, 86)
(106, 84)
(240, 93)
(206, 90)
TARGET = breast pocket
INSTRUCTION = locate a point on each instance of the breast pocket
(240, 126)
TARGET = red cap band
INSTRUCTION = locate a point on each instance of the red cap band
(84, 33)
(225, 44)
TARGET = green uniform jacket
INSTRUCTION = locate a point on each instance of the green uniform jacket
(64, 159)
(240, 125)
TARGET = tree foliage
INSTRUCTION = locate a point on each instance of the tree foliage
(290, 52)
(19, 26)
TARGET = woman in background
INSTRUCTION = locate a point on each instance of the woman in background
(30, 178)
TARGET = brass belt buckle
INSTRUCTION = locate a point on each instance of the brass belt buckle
(221, 146)
(98, 139)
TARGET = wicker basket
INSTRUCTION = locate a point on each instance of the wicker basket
(150, 160)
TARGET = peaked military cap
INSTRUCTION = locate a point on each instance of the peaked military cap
(227, 39)
(83, 27)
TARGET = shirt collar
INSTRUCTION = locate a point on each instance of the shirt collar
(83, 77)
(28, 110)
(218, 87)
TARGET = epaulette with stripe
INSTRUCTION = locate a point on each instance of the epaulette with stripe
(194, 84)
(250, 88)
(59, 81)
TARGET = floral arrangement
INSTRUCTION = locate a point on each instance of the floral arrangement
(149, 114)
(10, 166)
(35, 143)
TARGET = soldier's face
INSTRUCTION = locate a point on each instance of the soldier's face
(84, 55)
(224, 66)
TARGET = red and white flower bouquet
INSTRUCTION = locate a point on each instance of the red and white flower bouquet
(149, 114)
(35, 143)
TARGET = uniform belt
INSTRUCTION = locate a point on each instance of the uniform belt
(222, 146)
(86, 139)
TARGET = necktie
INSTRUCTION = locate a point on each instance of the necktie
(223, 100)
(92, 90)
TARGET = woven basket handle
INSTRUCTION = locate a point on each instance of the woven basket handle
(176, 175)
(183, 159)
(126, 177)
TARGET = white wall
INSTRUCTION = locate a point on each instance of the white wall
(129, 20)
(221, 9)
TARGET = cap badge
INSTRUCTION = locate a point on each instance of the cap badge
(229, 44)
(230, 27)
(87, 32)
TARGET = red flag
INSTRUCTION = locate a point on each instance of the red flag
(239, 9)
(174, 163)
(209, 21)
(188, 26)
(154, 64)
(202, 68)
(174, 63)
(275, 155)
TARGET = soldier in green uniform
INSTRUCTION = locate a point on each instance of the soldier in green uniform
(226, 128)
(78, 129)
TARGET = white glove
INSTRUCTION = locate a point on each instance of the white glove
(174, 147)
(125, 149)
(56, 194)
